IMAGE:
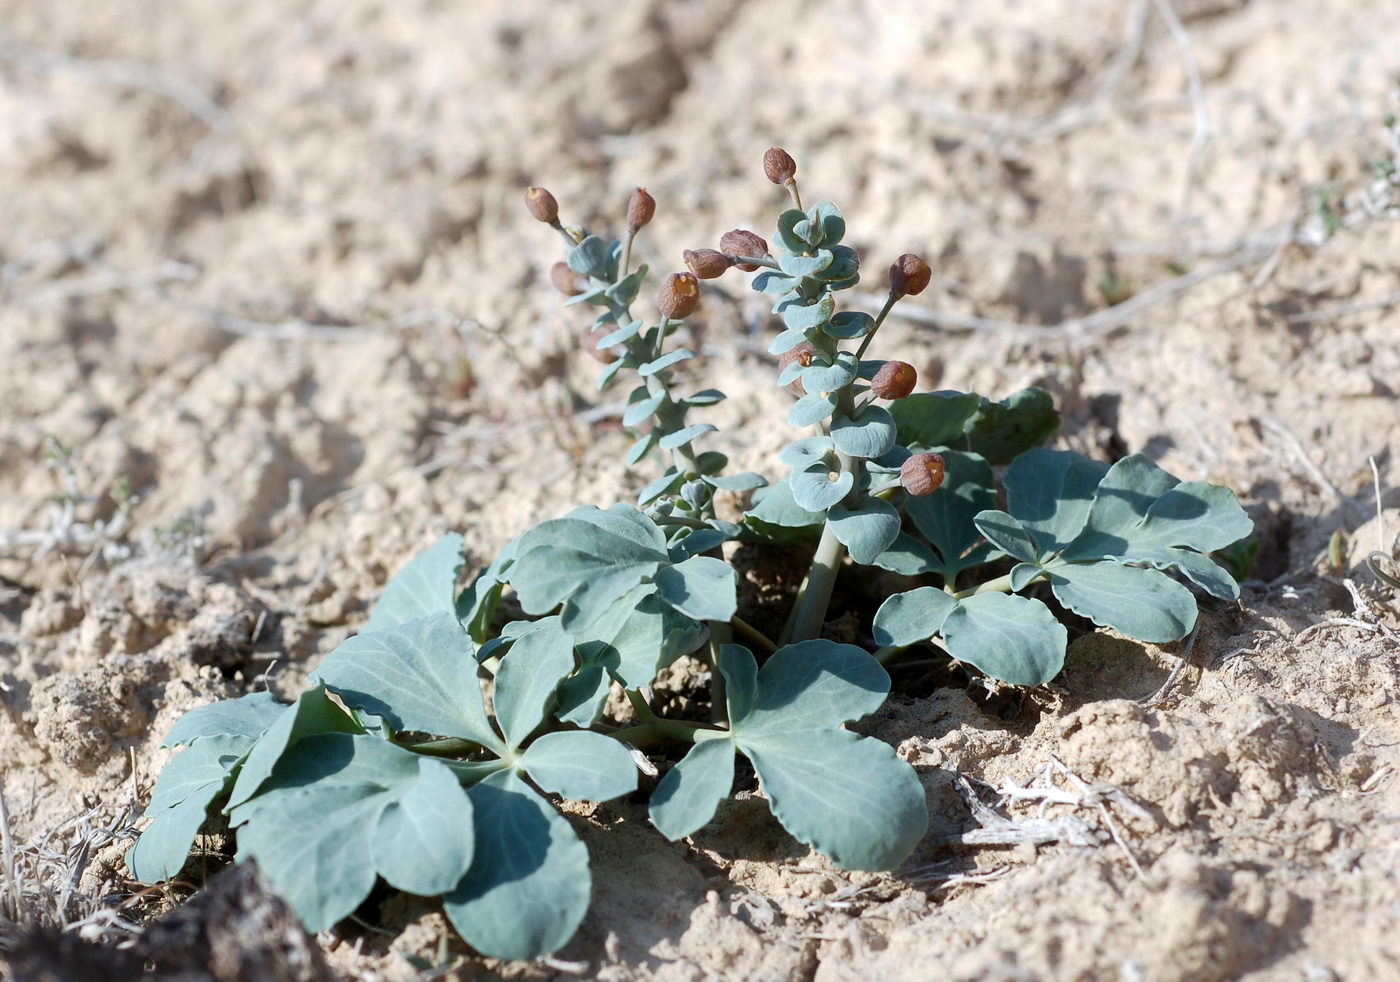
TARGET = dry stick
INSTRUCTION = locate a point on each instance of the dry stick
(1346, 310)
(7, 848)
(1160, 694)
(129, 74)
(1281, 430)
(1080, 330)
(1201, 135)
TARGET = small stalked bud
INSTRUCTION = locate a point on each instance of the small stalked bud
(588, 340)
(565, 280)
(801, 353)
(640, 209)
(542, 205)
(707, 263)
(894, 380)
(779, 165)
(909, 275)
(680, 295)
(741, 242)
(922, 473)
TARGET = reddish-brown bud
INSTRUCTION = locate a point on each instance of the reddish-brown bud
(909, 275)
(680, 295)
(565, 280)
(922, 473)
(588, 340)
(640, 209)
(800, 353)
(741, 242)
(542, 205)
(779, 166)
(707, 263)
(894, 380)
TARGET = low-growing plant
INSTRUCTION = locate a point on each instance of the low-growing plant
(430, 747)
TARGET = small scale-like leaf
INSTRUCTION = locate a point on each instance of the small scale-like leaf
(797, 265)
(581, 766)
(848, 325)
(773, 282)
(809, 317)
(746, 481)
(683, 436)
(589, 257)
(911, 617)
(812, 408)
(817, 487)
(642, 408)
(867, 529)
(665, 484)
(668, 360)
(868, 434)
(1011, 638)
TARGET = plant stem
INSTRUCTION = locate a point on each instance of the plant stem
(811, 614)
(889, 653)
(720, 635)
(1002, 584)
(791, 186)
(627, 238)
(766, 261)
(890, 301)
(753, 635)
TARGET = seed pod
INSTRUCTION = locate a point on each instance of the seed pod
(894, 380)
(588, 340)
(922, 473)
(565, 280)
(801, 353)
(779, 166)
(542, 205)
(741, 242)
(640, 209)
(909, 275)
(707, 263)
(680, 295)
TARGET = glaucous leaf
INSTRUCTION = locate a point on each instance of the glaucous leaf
(701, 587)
(869, 434)
(1140, 602)
(690, 792)
(247, 717)
(818, 486)
(427, 585)
(867, 529)
(530, 673)
(913, 616)
(946, 517)
(638, 636)
(1012, 638)
(581, 765)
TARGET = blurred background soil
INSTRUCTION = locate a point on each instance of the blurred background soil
(273, 317)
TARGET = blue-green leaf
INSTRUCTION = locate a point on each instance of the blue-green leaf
(867, 529)
(180, 802)
(312, 713)
(705, 397)
(777, 516)
(809, 450)
(529, 675)
(772, 282)
(427, 585)
(622, 335)
(867, 435)
(476, 605)
(690, 792)
(812, 408)
(799, 266)
(911, 617)
(643, 407)
(934, 419)
(786, 341)
(946, 516)
(1008, 535)
(638, 636)
(848, 325)
(808, 685)
(586, 561)
(665, 484)
(745, 481)
(1142, 603)
(247, 717)
(665, 361)
(528, 887)
(828, 378)
(701, 587)
(589, 257)
(908, 556)
(681, 437)
(1011, 638)
(806, 318)
(581, 766)
(424, 839)
(817, 486)
(790, 241)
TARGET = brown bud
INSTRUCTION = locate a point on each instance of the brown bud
(588, 340)
(542, 205)
(922, 473)
(909, 275)
(894, 380)
(800, 353)
(640, 209)
(779, 165)
(741, 242)
(707, 263)
(680, 295)
(565, 280)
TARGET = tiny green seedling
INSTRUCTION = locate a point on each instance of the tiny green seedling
(430, 747)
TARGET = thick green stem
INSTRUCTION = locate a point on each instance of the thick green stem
(791, 186)
(752, 635)
(811, 615)
(627, 238)
(1002, 584)
(884, 312)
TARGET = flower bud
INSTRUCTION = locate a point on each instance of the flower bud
(894, 380)
(779, 165)
(565, 280)
(707, 263)
(588, 340)
(922, 473)
(909, 275)
(542, 205)
(680, 295)
(801, 353)
(741, 242)
(640, 209)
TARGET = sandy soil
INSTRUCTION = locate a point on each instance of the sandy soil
(273, 318)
